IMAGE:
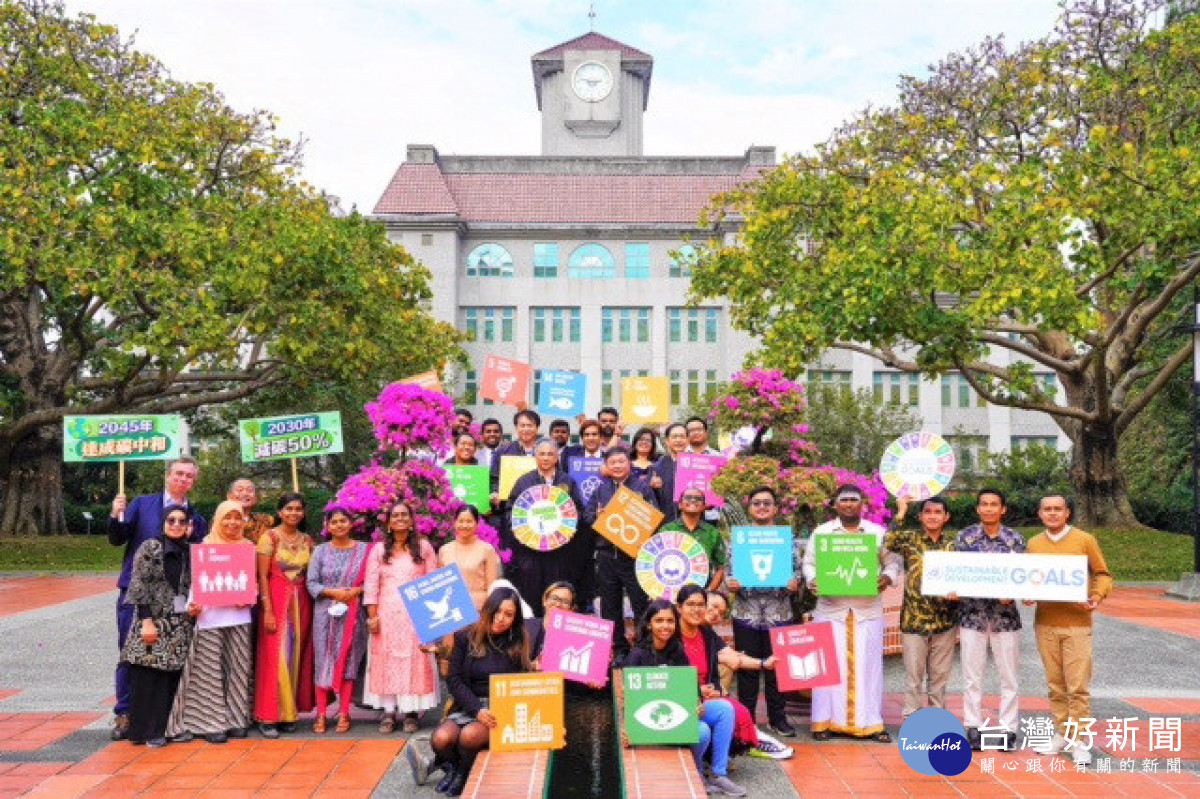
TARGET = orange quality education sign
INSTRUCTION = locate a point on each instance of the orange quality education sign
(528, 710)
(504, 380)
(427, 380)
(628, 521)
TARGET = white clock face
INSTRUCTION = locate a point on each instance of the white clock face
(592, 81)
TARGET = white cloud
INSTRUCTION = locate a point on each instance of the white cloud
(361, 80)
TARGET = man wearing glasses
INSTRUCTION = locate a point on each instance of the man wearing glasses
(691, 521)
(855, 707)
(755, 612)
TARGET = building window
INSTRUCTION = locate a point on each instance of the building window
(556, 325)
(971, 452)
(829, 377)
(957, 392)
(489, 324)
(489, 260)
(1023, 442)
(688, 386)
(591, 260)
(545, 259)
(426, 239)
(897, 388)
(471, 390)
(682, 261)
(610, 383)
(637, 259)
(625, 325)
(693, 324)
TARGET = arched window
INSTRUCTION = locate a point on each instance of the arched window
(591, 260)
(489, 260)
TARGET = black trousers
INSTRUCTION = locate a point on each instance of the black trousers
(151, 694)
(615, 577)
(757, 644)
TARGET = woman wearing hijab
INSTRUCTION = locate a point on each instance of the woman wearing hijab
(214, 691)
(157, 646)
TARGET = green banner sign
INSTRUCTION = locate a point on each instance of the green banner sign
(122, 438)
(847, 564)
(470, 485)
(660, 705)
(300, 436)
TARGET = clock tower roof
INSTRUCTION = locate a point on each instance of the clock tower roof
(633, 60)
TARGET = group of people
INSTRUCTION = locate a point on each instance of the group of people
(330, 620)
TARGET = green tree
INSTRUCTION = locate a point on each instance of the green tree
(851, 428)
(158, 253)
(1018, 212)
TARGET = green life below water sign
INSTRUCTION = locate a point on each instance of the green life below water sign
(122, 438)
(281, 437)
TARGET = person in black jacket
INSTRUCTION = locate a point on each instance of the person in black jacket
(615, 575)
(530, 569)
(493, 645)
(527, 423)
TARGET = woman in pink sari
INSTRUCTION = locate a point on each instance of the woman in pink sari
(335, 580)
(399, 672)
(283, 666)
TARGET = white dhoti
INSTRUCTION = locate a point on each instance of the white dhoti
(855, 706)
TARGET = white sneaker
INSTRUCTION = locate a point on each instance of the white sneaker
(768, 747)
(1056, 746)
(1081, 755)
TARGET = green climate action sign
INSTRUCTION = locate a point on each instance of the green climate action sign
(122, 438)
(847, 564)
(300, 436)
(660, 704)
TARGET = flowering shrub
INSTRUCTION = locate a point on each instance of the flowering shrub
(763, 399)
(768, 401)
(407, 417)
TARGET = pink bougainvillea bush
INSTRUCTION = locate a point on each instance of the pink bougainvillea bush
(767, 401)
(412, 425)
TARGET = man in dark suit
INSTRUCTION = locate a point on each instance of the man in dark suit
(130, 525)
(615, 574)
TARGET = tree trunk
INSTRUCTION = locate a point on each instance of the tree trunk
(1101, 496)
(31, 490)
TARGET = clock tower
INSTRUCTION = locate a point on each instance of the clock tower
(592, 92)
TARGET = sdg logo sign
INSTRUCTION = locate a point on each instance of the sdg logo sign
(933, 741)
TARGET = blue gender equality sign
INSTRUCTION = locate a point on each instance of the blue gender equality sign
(438, 603)
(561, 393)
(586, 473)
(762, 556)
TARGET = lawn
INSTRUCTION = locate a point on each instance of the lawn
(64, 553)
(1141, 554)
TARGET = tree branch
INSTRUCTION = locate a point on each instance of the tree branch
(1172, 365)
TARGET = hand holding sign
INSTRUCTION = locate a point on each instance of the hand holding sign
(919, 465)
(628, 521)
(438, 603)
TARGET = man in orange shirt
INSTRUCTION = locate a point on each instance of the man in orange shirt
(1064, 629)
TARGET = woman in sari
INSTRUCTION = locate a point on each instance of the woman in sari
(283, 669)
(335, 580)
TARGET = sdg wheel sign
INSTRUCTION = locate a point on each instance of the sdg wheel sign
(544, 517)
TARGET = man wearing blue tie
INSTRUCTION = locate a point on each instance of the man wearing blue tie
(130, 525)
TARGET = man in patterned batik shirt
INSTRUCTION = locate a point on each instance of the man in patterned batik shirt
(928, 624)
(989, 623)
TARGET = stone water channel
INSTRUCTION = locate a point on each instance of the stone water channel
(589, 766)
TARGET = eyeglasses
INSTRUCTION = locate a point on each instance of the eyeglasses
(400, 513)
(557, 600)
(696, 604)
(687, 498)
(762, 503)
(175, 521)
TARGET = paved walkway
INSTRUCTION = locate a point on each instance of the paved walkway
(55, 689)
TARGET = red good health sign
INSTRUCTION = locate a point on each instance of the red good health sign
(505, 380)
(806, 656)
(223, 574)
